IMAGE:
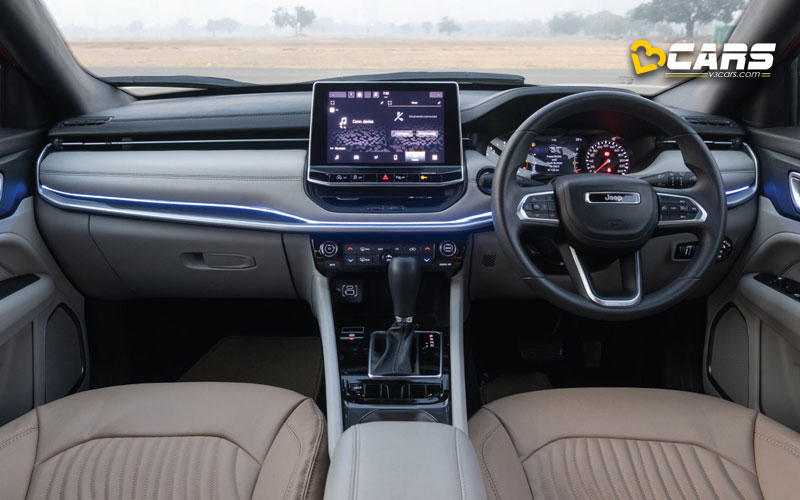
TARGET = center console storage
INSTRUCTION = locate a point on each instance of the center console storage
(400, 460)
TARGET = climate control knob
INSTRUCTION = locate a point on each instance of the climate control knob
(448, 249)
(328, 249)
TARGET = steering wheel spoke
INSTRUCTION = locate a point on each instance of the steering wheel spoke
(680, 213)
(537, 207)
(630, 266)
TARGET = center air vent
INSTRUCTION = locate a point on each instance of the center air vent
(708, 121)
(86, 122)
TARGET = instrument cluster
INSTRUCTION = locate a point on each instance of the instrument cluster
(559, 154)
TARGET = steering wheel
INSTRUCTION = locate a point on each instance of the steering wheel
(608, 215)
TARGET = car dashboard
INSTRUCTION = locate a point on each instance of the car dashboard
(181, 170)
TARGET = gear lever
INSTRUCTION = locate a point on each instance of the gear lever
(396, 359)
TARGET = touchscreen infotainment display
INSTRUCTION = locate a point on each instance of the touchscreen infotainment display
(399, 124)
(385, 126)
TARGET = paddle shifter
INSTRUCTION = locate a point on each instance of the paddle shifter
(398, 354)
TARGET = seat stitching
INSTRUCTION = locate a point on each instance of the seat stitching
(644, 471)
(122, 470)
(591, 467)
(730, 478)
(626, 444)
(199, 469)
(555, 483)
(357, 461)
(572, 488)
(65, 479)
(605, 468)
(505, 429)
(36, 454)
(177, 436)
(93, 475)
(779, 443)
(314, 455)
(578, 469)
(82, 469)
(660, 441)
(686, 471)
(705, 473)
(619, 468)
(236, 476)
(52, 477)
(672, 473)
(545, 487)
(297, 460)
(136, 470)
(22, 433)
(486, 461)
(216, 471)
(658, 469)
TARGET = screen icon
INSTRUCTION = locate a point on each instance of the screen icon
(356, 157)
(359, 94)
(434, 157)
(351, 94)
(399, 116)
(368, 94)
(343, 122)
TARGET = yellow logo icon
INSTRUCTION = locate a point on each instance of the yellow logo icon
(649, 51)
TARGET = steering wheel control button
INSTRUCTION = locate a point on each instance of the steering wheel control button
(539, 206)
(328, 249)
(678, 208)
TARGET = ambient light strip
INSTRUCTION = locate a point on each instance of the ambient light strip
(476, 220)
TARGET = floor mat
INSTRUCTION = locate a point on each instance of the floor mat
(290, 362)
(511, 383)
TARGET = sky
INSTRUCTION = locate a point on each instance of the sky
(99, 14)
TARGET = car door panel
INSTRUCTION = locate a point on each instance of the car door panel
(753, 338)
(42, 340)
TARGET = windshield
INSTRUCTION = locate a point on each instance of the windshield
(566, 42)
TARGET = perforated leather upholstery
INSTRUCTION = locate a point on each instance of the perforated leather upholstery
(632, 443)
(167, 441)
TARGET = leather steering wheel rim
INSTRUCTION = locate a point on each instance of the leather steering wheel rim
(708, 192)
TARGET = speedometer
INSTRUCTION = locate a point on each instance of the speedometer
(607, 156)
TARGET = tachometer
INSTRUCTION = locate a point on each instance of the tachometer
(607, 156)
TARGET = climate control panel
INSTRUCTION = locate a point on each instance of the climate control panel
(358, 254)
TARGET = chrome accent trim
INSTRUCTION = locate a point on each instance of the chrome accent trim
(701, 216)
(460, 134)
(794, 188)
(606, 302)
(736, 197)
(403, 377)
(587, 197)
(525, 217)
(100, 204)
(1, 186)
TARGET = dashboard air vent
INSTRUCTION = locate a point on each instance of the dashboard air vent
(86, 122)
(708, 121)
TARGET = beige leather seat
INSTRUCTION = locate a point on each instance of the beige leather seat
(167, 441)
(632, 443)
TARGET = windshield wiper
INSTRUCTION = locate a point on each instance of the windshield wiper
(467, 77)
(178, 81)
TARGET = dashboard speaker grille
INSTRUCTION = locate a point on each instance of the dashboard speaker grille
(64, 353)
(728, 355)
(489, 260)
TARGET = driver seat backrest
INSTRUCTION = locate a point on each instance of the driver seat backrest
(632, 443)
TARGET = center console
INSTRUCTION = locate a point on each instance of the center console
(384, 290)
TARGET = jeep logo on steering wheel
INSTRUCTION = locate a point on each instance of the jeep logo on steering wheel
(629, 198)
